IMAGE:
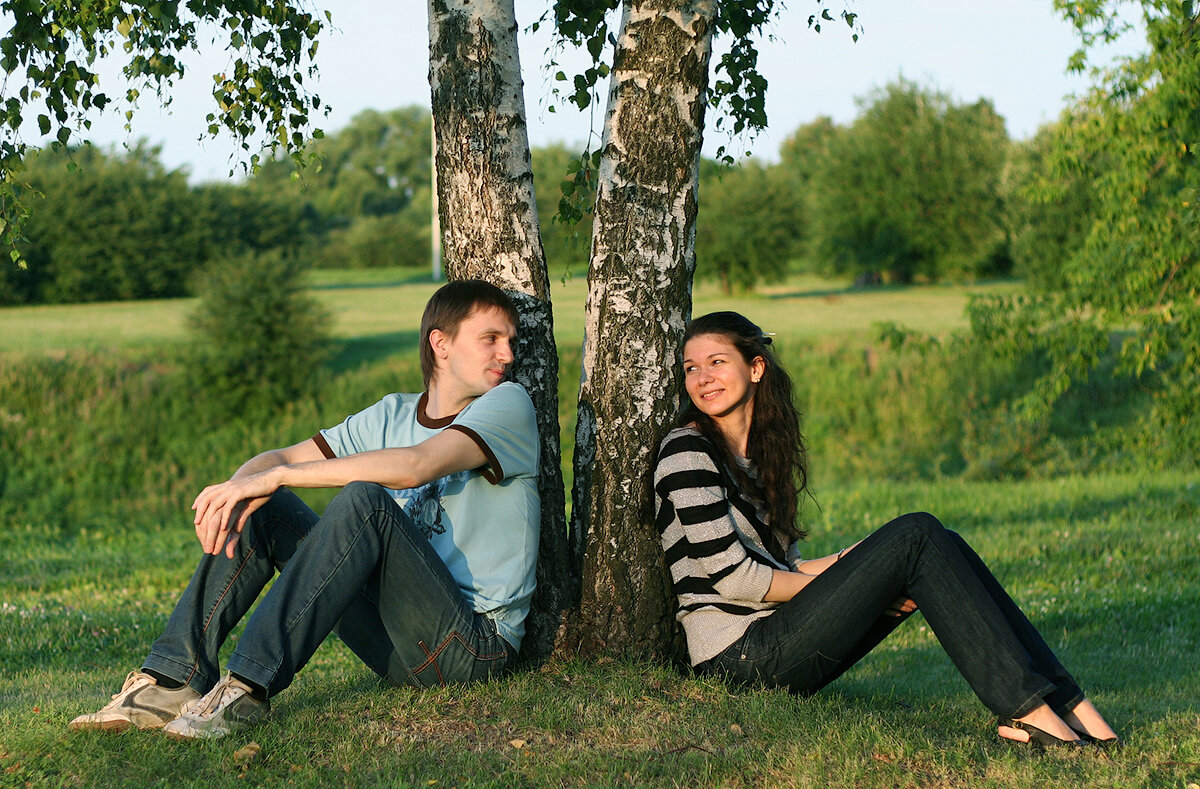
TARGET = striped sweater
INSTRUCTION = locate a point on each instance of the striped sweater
(713, 538)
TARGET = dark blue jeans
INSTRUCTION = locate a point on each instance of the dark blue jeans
(840, 616)
(362, 569)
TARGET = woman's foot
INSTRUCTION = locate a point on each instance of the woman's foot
(1087, 722)
(1040, 728)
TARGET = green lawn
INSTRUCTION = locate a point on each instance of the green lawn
(384, 303)
(1104, 565)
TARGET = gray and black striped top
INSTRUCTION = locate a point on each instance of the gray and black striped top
(714, 539)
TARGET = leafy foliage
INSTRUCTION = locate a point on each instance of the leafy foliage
(1138, 271)
(1050, 207)
(912, 188)
(49, 57)
(738, 94)
(117, 225)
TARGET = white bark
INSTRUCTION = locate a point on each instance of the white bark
(639, 299)
(490, 231)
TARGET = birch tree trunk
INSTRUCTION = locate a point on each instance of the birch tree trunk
(639, 299)
(490, 231)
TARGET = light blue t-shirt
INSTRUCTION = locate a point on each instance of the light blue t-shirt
(483, 523)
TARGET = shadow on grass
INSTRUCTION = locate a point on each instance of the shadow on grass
(352, 353)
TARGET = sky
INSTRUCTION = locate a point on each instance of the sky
(376, 57)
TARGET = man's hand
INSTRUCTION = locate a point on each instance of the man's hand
(222, 510)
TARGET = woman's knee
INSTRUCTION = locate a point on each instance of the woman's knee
(919, 524)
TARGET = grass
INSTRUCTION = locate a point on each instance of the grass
(1104, 565)
(373, 307)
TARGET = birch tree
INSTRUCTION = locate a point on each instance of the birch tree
(489, 228)
(639, 299)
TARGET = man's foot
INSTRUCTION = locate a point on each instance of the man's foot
(141, 703)
(227, 707)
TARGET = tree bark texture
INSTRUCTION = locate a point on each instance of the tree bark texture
(490, 231)
(639, 300)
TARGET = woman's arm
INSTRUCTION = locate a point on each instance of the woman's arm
(786, 585)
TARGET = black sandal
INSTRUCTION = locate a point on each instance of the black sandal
(1110, 743)
(1037, 738)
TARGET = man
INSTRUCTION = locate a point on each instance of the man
(423, 564)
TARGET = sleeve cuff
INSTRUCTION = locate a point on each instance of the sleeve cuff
(492, 472)
(323, 445)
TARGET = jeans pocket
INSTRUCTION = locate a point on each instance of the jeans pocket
(464, 657)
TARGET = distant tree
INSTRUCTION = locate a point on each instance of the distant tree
(260, 333)
(374, 166)
(912, 188)
(116, 225)
(749, 220)
(800, 154)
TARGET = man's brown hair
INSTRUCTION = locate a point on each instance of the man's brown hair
(452, 304)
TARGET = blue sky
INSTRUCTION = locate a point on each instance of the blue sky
(1013, 53)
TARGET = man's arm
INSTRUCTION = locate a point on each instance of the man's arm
(222, 510)
(212, 532)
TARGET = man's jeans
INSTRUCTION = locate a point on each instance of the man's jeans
(839, 617)
(363, 569)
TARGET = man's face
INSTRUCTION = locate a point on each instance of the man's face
(477, 357)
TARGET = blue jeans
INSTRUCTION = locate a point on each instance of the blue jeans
(363, 569)
(840, 616)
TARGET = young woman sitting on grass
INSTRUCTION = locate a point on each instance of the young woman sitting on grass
(726, 485)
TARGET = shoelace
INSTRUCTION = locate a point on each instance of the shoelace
(130, 680)
(215, 698)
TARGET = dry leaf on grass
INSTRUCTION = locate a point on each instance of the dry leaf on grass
(518, 743)
(246, 754)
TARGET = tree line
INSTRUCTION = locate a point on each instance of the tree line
(917, 187)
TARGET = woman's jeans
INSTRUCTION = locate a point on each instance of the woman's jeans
(363, 569)
(840, 616)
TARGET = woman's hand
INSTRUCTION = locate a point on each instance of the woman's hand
(901, 606)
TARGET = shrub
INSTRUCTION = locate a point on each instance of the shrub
(261, 337)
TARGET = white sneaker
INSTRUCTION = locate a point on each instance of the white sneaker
(227, 707)
(141, 703)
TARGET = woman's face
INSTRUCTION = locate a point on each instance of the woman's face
(717, 378)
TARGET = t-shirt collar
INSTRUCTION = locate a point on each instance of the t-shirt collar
(425, 420)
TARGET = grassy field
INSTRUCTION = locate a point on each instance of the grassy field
(1104, 564)
(375, 306)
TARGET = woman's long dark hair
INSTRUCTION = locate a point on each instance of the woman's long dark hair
(775, 446)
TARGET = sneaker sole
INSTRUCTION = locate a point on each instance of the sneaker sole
(148, 723)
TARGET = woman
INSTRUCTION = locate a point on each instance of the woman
(726, 486)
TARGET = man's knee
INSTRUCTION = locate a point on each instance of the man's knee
(360, 496)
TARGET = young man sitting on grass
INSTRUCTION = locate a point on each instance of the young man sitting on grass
(423, 564)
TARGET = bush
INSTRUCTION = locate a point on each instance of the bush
(261, 337)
